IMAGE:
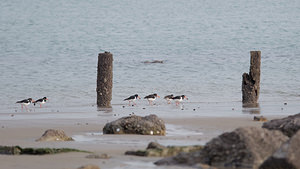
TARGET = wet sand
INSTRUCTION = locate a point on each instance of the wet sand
(184, 127)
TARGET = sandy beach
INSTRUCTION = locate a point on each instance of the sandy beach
(24, 128)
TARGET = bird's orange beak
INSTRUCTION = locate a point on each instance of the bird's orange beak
(139, 97)
(158, 96)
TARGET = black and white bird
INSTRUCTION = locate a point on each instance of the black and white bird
(132, 99)
(25, 102)
(40, 101)
(169, 98)
(151, 98)
(179, 99)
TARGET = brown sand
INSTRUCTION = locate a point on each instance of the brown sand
(88, 136)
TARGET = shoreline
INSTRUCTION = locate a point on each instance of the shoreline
(187, 129)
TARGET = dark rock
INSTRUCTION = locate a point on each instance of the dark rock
(10, 150)
(89, 167)
(157, 150)
(154, 61)
(98, 156)
(55, 135)
(155, 145)
(259, 118)
(148, 125)
(245, 147)
(289, 125)
(286, 157)
(17, 150)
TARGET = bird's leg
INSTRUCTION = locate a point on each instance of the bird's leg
(40, 105)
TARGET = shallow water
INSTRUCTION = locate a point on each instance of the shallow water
(50, 48)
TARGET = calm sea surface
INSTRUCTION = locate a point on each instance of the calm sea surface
(50, 48)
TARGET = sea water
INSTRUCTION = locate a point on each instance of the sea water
(50, 48)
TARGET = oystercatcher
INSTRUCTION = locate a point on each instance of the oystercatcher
(40, 101)
(179, 99)
(169, 98)
(25, 102)
(151, 98)
(132, 98)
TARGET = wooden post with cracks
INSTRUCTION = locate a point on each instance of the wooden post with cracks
(251, 81)
(104, 80)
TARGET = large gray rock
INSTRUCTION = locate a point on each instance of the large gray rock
(245, 147)
(148, 125)
(289, 125)
(286, 157)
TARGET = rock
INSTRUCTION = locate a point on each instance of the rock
(89, 167)
(98, 156)
(10, 150)
(245, 147)
(286, 157)
(289, 125)
(54, 135)
(154, 61)
(148, 125)
(17, 150)
(259, 118)
(155, 145)
(157, 150)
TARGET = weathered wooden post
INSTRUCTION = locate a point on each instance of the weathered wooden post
(104, 80)
(251, 81)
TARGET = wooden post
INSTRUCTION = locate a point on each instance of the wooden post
(104, 80)
(251, 81)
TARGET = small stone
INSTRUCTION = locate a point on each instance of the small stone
(123, 106)
(194, 109)
(259, 118)
(54, 135)
(89, 167)
(285, 103)
(97, 156)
